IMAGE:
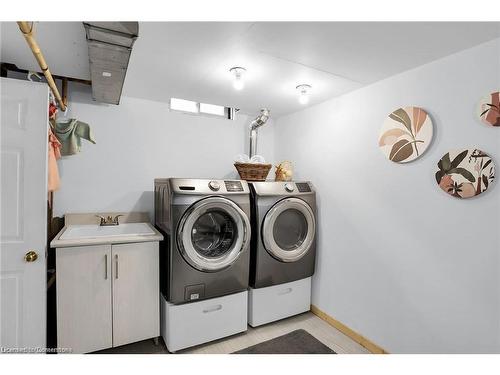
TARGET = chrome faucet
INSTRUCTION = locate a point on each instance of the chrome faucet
(109, 220)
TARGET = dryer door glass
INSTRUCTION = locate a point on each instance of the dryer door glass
(289, 229)
(213, 233)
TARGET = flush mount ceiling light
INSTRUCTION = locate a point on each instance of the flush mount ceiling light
(303, 90)
(238, 82)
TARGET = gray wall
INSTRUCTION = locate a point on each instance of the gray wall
(400, 261)
(139, 140)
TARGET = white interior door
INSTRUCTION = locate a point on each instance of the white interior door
(24, 113)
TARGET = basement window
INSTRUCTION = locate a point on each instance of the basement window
(212, 109)
(202, 109)
(182, 105)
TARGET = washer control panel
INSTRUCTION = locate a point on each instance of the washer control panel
(214, 185)
(233, 186)
(289, 187)
(205, 186)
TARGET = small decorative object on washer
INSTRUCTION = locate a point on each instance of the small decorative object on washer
(406, 134)
(284, 171)
(489, 109)
(465, 173)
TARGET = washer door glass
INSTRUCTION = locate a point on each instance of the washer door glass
(288, 230)
(212, 234)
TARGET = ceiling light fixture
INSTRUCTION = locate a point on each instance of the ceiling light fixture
(238, 82)
(303, 93)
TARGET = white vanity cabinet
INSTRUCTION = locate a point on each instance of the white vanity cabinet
(136, 293)
(107, 295)
(84, 298)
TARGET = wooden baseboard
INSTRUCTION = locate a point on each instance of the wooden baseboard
(361, 340)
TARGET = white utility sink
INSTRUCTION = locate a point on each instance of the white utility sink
(74, 232)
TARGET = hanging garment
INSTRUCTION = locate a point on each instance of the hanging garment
(70, 134)
(52, 111)
(54, 154)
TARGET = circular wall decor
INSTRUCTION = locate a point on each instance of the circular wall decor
(489, 109)
(406, 134)
(465, 173)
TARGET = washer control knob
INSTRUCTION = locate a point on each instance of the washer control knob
(214, 185)
(289, 187)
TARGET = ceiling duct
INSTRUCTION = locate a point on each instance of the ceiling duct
(110, 45)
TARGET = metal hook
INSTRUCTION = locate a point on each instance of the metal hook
(66, 111)
(51, 98)
(31, 73)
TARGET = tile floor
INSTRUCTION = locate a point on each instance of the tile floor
(324, 332)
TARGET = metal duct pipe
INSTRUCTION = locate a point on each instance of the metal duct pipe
(254, 126)
(110, 46)
(27, 31)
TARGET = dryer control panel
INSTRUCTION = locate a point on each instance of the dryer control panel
(303, 187)
(282, 188)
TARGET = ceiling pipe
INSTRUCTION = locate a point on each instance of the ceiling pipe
(27, 31)
(255, 124)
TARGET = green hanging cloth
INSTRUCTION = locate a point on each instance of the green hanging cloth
(70, 134)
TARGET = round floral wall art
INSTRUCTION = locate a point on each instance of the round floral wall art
(406, 134)
(489, 109)
(465, 173)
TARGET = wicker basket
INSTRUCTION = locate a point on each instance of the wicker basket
(253, 172)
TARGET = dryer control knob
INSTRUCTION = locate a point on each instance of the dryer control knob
(214, 185)
(289, 187)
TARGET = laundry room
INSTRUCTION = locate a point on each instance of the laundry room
(284, 184)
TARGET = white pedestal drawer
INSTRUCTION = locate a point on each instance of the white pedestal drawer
(276, 302)
(196, 323)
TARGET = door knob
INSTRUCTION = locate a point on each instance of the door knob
(31, 256)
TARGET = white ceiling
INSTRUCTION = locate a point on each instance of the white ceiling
(191, 60)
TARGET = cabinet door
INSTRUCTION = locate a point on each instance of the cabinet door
(136, 293)
(84, 298)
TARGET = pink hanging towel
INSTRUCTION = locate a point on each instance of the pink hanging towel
(54, 154)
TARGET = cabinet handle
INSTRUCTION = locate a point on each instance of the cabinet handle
(212, 309)
(105, 266)
(116, 266)
(285, 291)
